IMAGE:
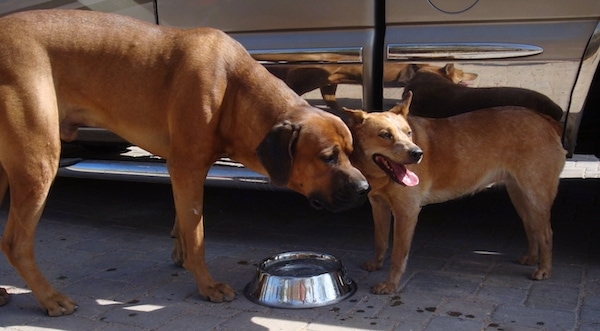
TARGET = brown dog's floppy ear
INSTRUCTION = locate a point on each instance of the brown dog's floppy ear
(276, 150)
(403, 107)
(355, 117)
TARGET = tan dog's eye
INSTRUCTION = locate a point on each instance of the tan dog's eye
(409, 134)
(386, 135)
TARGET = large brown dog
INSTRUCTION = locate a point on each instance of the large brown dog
(458, 155)
(189, 96)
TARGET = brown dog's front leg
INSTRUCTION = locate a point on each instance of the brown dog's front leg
(188, 194)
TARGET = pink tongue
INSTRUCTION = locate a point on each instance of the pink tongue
(409, 178)
(404, 175)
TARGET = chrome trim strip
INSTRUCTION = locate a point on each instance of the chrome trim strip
(220, 175)
(309, 56)
(460, 51)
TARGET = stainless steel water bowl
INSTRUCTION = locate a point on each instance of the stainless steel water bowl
(300, 280)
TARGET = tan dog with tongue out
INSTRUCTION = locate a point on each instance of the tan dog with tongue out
(413, 161)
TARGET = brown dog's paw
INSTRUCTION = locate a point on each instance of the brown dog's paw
(3, 296)
(383, 288)
(57, 304)
(177, 257)
(372, 265)
(541, 274)
(218, 292)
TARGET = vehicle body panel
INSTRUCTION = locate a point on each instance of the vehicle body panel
(350, 48)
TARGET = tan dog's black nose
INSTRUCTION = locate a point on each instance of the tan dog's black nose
(416, 154)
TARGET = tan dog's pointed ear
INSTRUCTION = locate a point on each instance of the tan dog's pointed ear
(403, 107)
(276, 151)
(355, 116)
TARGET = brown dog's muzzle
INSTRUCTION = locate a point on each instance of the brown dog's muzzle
(348, 192)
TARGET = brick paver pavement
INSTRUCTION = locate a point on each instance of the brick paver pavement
(106, 244)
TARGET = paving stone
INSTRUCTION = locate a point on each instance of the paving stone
(548, 295)
(551, 319)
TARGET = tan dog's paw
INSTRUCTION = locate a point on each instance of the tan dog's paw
(218, 292)
(3, 296)
(383, 288)
(57, 304)
(372, 265)
(528, 259)
(541, 274)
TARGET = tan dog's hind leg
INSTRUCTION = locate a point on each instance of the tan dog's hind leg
(29, 154)
(534, 207)
(189, 226)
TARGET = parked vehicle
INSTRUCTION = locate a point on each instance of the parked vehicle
(360, 53)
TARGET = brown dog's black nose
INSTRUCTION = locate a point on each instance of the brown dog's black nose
(362, 188)
(352, 193)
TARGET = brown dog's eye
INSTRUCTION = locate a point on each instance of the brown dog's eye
(386, 135)
(330, 158)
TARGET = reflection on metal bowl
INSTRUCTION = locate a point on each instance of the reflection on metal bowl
(300, 280)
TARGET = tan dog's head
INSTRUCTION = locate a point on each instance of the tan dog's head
(312, 156)
(384, 139)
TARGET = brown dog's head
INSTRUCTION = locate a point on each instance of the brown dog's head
(383, 143)
(311, 156)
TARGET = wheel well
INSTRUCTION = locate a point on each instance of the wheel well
(588, 136)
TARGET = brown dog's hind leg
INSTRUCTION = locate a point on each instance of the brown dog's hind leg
(177, 253)
(30, 182)
(29, 154)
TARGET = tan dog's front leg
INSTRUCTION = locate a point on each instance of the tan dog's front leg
(188, 191)
(405, 221)
(382, 218)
